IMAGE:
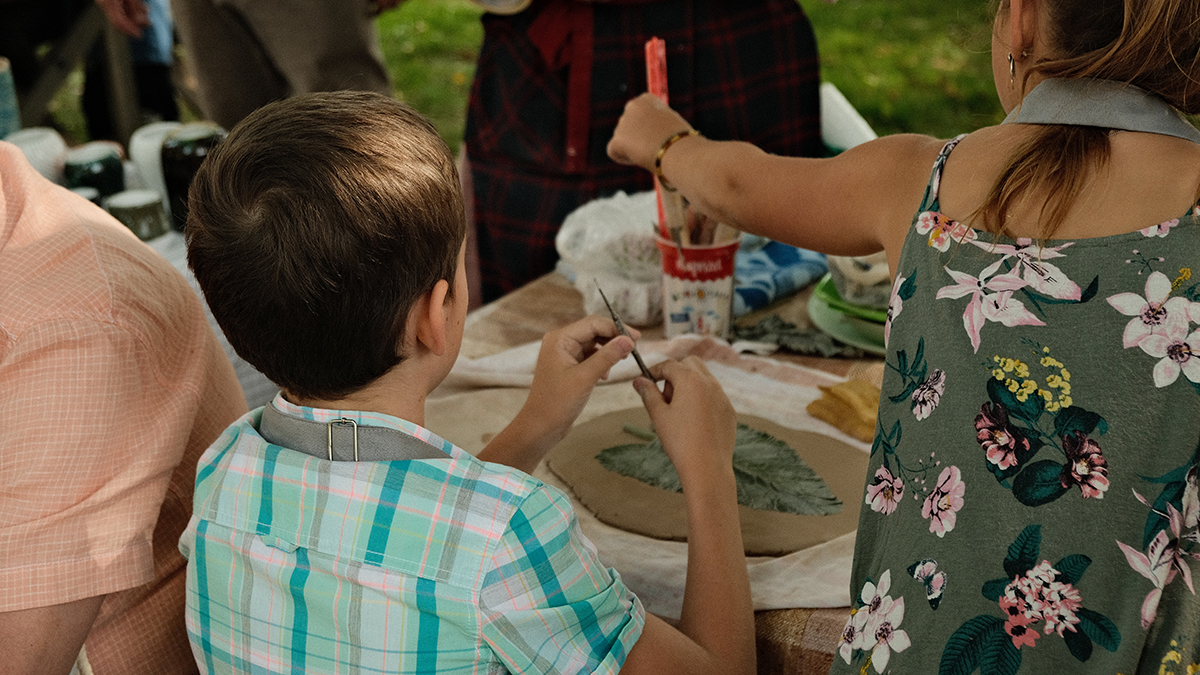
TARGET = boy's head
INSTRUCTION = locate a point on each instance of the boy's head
(315, 228)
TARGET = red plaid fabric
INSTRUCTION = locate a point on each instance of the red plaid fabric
(736, 70)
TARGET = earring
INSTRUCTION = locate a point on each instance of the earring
(1012, 68)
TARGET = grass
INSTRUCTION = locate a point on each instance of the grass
(930, 73)
(918, 66)
(430, 47)
(910, 65)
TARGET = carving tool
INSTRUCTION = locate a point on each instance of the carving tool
(625, 331)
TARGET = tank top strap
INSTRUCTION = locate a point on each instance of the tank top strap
(930, 201)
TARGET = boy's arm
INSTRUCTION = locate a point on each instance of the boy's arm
(572, 359)
(696, 424)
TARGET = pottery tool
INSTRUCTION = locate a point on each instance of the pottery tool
(625, 331)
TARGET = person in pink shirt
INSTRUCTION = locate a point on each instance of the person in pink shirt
(111, 386)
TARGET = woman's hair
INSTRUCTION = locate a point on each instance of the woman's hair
(1153, 44)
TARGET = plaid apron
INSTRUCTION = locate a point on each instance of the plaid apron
(552, 81)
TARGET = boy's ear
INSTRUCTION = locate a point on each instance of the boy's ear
(427, 320)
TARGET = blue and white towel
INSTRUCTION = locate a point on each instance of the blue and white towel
(766, 270)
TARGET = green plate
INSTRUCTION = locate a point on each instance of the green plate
(866, 335)
(828, 293)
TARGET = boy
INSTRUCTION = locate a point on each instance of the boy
(332, 532)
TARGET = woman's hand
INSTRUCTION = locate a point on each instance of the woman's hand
(127, 16)
(643, 127)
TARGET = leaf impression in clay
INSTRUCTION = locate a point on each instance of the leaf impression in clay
(770, 475)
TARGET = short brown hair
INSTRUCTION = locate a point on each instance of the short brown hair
(315, 227)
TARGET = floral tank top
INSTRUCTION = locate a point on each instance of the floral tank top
(1032, 489)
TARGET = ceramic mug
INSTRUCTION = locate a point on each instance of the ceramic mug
(44, 148)
(145, 151)
(10, 112)
(182, 152)
(140, 211)
(96, 164)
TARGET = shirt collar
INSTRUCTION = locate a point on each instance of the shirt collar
(366, 418)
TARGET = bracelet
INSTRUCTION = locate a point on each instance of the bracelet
(662, 150)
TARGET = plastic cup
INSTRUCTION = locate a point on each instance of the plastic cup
(697, 288)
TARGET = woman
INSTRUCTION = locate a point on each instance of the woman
(1033, 488)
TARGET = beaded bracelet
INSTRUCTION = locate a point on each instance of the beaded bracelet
(662, 150)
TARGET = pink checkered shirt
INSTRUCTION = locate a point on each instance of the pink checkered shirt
(111, 386)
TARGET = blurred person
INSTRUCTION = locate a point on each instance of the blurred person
(552, 80)
(246, 54)
(111, 386)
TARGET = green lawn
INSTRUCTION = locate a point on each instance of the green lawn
(920, 66)
(907, 65)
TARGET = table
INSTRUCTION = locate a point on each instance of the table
(792, 641)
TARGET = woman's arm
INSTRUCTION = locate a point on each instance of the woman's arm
(856, 203)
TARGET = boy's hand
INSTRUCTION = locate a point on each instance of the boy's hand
(693, 418)
(572, 359)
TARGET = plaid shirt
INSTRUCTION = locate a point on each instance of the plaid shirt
(552, 81)
(299, 564)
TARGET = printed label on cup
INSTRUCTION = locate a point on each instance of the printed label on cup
(697, 288)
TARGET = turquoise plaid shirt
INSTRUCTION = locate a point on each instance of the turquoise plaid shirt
(301, 565)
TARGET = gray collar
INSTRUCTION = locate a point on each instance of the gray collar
(342, 439)
(1101, 103)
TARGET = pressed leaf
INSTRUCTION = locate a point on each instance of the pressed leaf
(770, 475)
(787, 335)
(964, 649)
